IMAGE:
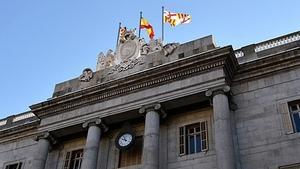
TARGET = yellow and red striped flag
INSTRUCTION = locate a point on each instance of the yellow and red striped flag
(145, 25)
(175, 19)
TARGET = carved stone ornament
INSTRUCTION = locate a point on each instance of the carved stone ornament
(126, 35)
(126, 65)
(169, 48)
(97, 122)
(153, 46)
(87, 75)
(105, 61)
(128, 49)
(153, 107)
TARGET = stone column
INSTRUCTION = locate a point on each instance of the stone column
(222, 129)
(90, 155)
(41, 151)
(150, 157)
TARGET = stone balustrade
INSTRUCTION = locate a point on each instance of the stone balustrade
(23, 117)
(279, 41)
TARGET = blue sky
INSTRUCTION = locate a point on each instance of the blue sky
(46, 42)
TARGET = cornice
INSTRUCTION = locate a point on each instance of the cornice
(159, 75)
(268, 65)
(20, 129)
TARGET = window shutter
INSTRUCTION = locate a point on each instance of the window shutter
(67, 160)
(182, 144)
(286, 118)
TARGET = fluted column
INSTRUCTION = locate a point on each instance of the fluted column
(41, 151)
(90, 155)
(223, 135)
(150, 157)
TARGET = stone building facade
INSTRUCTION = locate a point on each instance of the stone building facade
(155, 106)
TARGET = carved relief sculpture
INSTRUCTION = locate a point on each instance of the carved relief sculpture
(169, 48)
(87, 75)
(153, 46)
(105, 61)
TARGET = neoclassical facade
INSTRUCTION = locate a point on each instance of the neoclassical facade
(167, 106)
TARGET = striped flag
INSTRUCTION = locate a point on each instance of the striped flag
(145, 25)
(175, 19)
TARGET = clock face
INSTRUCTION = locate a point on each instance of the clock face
(125, 140)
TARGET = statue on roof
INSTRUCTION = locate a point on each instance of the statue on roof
(105, 61)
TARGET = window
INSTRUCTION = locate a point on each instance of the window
(193, 138)
(181, 55)
(14, 166)
(132, 156)
(295, 115)
(73, 159)
(195, 51)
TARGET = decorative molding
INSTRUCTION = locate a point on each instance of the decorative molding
(181, 69)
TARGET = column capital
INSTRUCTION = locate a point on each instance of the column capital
(153, 107)
(95, 122)
(47, 136)
(218, 90)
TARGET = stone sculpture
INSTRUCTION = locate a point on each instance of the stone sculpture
(86, 76)
(169, 48)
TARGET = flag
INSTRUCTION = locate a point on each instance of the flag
(148, 27)
(175, 19)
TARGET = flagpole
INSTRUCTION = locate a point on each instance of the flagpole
(141, 15)
(162, 24)
(118, 38)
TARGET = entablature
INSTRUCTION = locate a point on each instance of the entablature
(221, 58)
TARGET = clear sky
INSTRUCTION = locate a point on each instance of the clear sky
(43, 43)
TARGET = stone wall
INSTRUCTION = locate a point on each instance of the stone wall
(17, 150)
(262, 140)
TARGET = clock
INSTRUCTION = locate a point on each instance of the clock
(125, 140)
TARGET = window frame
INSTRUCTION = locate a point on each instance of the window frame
(14, 162)
(70, 152)
(292, 112)
(184, 144)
